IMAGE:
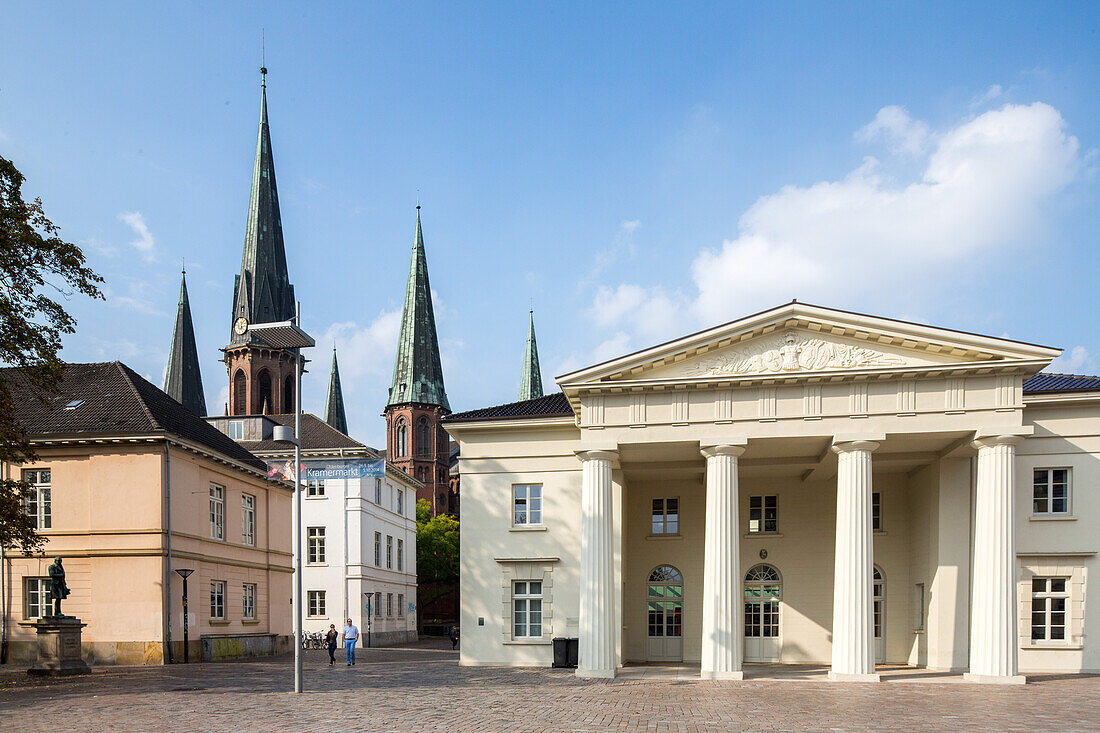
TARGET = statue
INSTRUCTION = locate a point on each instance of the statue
(58, 589)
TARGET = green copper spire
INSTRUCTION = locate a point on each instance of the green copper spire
(530, 383)
(417, 372)
(334, 405)
(262, 292)
(182, 379)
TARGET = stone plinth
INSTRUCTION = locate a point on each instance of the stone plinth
(58, 646)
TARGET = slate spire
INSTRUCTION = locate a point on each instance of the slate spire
(334, 405)
(182, 379)
(530, 382)
(262, 292)
(417, 372)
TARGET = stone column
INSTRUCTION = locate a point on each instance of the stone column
(853, 620)
(723, 608)
(993, 639)
(596, 652)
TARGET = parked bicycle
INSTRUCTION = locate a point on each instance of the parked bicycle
(314, 640)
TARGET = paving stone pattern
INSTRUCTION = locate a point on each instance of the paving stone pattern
(422, 688)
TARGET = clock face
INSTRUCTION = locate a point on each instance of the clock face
(240, 326)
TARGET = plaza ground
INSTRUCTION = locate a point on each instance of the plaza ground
(422, 688)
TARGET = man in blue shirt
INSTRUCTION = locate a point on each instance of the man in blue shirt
(351, 635)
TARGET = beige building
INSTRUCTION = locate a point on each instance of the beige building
(803, 485)
(129, 486)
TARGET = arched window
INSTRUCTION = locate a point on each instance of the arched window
(665, 602)
(763, 574)
(264, 398)
(240, 393)
(879, 601)
(401, 439)
(288, 394)
(423, 437)
(763, 589)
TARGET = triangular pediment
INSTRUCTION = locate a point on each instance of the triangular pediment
(802, 340)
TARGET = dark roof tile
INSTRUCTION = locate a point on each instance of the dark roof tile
(1044, 382)
(551, 405)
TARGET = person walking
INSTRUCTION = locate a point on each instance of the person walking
(351, 635)
(453, 634)
(330, 643)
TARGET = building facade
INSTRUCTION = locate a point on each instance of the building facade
(128, 487)
(804, 485)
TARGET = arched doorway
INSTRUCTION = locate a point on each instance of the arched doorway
(880, 616)
(763, 591)
(665, 607)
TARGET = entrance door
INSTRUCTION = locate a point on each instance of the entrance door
(665, 606)
(880, 616)
(763, 589)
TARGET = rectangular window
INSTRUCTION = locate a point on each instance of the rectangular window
(236, 429)
(248, 602)
(36, 597)
(763, 513)
(666, 516)
(37, 500)
(389, 604)
(315, 545)
(315, 603)
(217, 512)
(389, 552)
(1051, 491)
(401, 502)
(876, 511)
(401, 555)
(248, 519)
(918, 607)
(400, 605)
(527, 504)
(315, 487)
(378, 491)
(217, 599)
(377, 549)
(1049, 606)
(527, 609)
(378, 605)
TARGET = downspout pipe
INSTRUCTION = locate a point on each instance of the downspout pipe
(168, 563)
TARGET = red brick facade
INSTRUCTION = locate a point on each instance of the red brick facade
(417, 444)
(257, 375)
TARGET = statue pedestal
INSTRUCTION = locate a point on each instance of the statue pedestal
(58, 646)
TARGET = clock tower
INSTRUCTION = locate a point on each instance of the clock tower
(261, 377)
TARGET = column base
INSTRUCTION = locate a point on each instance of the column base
(853, 677)
(707, 674)
(607, 674)
(994, 679)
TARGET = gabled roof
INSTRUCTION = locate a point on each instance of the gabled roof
(551, 405)
(334, 404)
(1044, 382)
(417, 370)
(530, 381)
(316, 435)
(109, 399)
(182, 378)
(262, 293)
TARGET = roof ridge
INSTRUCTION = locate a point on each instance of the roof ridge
(126, 373)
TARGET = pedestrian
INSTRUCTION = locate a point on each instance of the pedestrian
(330, 643)
(453, 634)
(351, 635)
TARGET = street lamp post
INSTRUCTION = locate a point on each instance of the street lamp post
(183, 573)
(370, 598)
(289, 335)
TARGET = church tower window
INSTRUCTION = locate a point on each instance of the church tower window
(265, 402)
(423, 437)
(240, 393)
(402, 438)
(288, 394)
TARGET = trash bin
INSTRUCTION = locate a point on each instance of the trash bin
(561, 652)
(574, 647)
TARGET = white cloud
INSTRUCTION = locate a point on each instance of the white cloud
(982, 190)
(1075, 361)
(994, 92)
(905, 135)
(143, 241)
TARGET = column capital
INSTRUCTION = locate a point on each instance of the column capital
(988, 441)
(723, 449)
(597, 455)
(847, 446)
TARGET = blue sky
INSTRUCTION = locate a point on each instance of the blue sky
(636, 171)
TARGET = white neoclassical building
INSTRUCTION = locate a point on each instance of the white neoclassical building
(804, 485)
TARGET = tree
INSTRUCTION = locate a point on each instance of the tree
(436, 553)
(38, 270)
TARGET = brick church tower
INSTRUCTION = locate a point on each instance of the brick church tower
(415, 439)
(261, 378)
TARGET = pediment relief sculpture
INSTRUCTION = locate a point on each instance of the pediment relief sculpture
(791, 352)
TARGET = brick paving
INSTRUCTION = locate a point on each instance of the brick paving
(422, 688)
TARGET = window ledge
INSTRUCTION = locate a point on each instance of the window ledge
(676, 536)
(316, 564)
(250, 622)
(751, 535)
(1052, 518)
(1054, 647)
(528, 528)
(528, 642)
(218, 622)
(879, 531)
(314, 498)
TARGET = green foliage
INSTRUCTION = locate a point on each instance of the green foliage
(37, 271)
(436, 549)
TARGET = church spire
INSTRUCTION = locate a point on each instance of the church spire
(530, 382)
(417, 372)
(262, 292)
(334, 405)
(182, 379)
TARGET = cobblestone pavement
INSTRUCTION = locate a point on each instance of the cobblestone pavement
(422, 688)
